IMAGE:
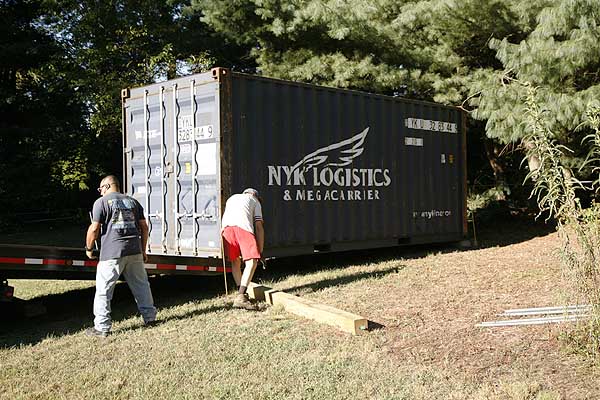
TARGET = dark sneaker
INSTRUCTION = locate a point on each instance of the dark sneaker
(150, 323)
(242, 301)
(93, 332)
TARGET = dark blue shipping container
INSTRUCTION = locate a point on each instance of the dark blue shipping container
(337, 169)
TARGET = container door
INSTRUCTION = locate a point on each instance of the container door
(172, 147)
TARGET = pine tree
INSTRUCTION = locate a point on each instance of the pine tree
(429, 49)
(560, 57)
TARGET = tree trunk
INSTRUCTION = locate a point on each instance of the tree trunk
(493, 150)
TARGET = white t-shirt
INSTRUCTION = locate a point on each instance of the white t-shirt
(242, 210)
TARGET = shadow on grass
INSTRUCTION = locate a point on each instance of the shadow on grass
(343, 280)
(510, 229)
(503, 231)
(71, 312)
(374, 326)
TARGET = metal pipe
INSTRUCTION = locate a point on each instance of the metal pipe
(533, 321)
(548, 310)
(561, 311)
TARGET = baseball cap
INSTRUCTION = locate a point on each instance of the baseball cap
(251, 191)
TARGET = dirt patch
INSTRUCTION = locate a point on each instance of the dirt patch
(428, 305)
(440, 298)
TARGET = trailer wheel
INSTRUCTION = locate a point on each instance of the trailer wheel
(6, 291)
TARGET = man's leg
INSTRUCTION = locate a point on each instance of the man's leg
(231, 248)
(107, 274)
(137, 279)
(241, 299)
(250, 267)
(236, 271)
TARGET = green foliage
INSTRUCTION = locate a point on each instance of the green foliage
(429, 49)
(424, 49)
(72, 172)
(554, 184)
(63, 66)
(40, 111)
(479, 201)
(593, 121)
(555, 190)
(559, 57)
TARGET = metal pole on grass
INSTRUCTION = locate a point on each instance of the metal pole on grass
(224, 269)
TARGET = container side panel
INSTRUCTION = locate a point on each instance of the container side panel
(339, 168)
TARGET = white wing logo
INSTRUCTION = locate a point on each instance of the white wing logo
(337, 155)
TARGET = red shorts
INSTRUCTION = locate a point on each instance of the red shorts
(238, 241)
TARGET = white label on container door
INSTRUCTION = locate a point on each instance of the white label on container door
(206, 158)
(186, 243)
(186, 131)
(185, 149)
(185, 126)
(152, 133)
(203, 132)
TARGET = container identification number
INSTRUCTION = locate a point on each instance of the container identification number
(429, 125)
(186, 132)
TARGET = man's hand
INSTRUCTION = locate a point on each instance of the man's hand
(91, 235)
(145, 257)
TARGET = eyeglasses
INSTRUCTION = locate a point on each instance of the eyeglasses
(105, 186)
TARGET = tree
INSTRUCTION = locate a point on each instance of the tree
(560, 58)
(63, 65)
(39, 111)
(126, 43)
(429, 49)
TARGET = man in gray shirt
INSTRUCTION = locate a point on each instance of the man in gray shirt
(124, 234)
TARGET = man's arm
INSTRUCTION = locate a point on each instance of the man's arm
(92, 234)
(144, 235)
(260, 236)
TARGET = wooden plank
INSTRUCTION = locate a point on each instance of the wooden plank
(343, 320)
(256, 291)
(310, 309)
(269, 295)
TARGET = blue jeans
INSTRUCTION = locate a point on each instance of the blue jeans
(107, 274)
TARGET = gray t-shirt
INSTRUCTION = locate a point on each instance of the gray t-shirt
(119, 215)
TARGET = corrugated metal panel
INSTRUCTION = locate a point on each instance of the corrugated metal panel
(344, 169)
(337, 169)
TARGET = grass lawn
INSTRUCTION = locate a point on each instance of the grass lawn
(424, 304)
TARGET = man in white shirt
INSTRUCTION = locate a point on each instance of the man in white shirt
(243, 238)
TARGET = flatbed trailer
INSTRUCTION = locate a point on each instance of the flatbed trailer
(48, 262)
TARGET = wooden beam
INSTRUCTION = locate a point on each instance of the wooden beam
(256, 291)
(343, 320)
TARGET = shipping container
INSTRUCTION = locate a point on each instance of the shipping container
(336, 169)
